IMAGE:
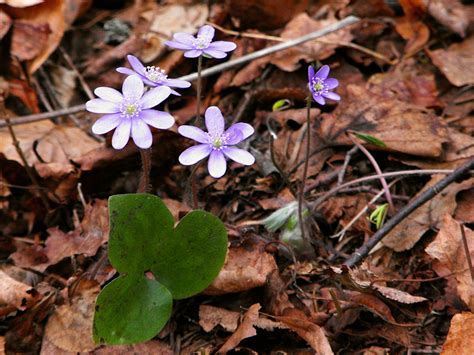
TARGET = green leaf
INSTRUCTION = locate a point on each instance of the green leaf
(137, 223)
(377, 217)
(370, 139)
(281, 105)
(190, 259)
(131, 309)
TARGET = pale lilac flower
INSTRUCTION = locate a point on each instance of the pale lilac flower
(194, 47)
(320, 84)
(153, 76)
(130, 113)
(216, 143)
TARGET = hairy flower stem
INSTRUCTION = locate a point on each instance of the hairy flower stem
(198, 89)
(16, 143)
(190, 192)
(144, 185)
(305, 168)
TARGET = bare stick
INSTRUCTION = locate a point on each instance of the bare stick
(342, 172)
(377, 170)
(466, 250)
(83, 83)
(210, 71)
(305, 168)
(427, 195)
(16, 143)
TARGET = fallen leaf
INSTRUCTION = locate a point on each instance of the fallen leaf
(408, 232)
(415, 32)
(21, 3)
(403, 127)
(70, 326)
(5, 23)
(449, 250)
(456, 62)
(246, 267)
(450, 13)
(87, 239)
(29, 39)
(460, 339)
(288, 60)
(245, 329)
(15, 293)
(465, 206)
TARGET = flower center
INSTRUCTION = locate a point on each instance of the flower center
(130, 107)
(202, 42)
(155, 74)
(217, 142)
(319, 86)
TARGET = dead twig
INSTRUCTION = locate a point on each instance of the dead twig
(427, 195)
(466, 250)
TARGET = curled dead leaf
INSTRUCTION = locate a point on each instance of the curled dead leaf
(15, 293)
(460, 338)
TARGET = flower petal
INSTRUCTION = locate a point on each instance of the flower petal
(133, 87)
(106, 123)
(215, 53)
(141, 134)
(233, 136)
(217, 164)
(122, 133)
(109, 94)
(223, 46)
(194, 133)
(239, 155)
(310, 73)
(102, 106)
(136, 64)
(323, 72)
(155, 96)
(331, 83)
(246, 129)
(214, 121)
(194, 154)
(319, 99)
(157, 119)
(176, 83)
(332, 95)
(126, 71)
(184, 38)
(207, 32)
(174, 92)
(178, 45)
(193, 53)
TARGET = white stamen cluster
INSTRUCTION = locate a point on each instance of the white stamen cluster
(218, 142)
(130, 107)
(319, 86)
(155, 74)
(202, 42)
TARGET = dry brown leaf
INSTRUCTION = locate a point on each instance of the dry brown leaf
(415, 32)
(450, 13)
(70, 326)
(460, 338)
(15, 293)
(456, 62)
(288, 60)
(5, 23)
(403, 127)
(29, 39)
(448, 249)
(210, 317)
(465, 206)
(245, 329)
(246, 267)
(408, 232)
(87, 239)
(2, 345)
(49, 13)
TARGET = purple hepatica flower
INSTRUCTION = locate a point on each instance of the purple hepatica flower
(320, 84)
(153, 76)
(130, 113)
(216, 143)
(194, 47)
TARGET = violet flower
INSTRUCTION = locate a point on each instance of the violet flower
(153, 76)
(320, 84)
(216, 143)
(194, 47)
(130, 113)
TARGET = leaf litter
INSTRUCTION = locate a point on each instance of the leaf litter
(405, 79)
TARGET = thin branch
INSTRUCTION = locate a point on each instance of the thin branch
(347, 159)
(427, 195)
(466, 250)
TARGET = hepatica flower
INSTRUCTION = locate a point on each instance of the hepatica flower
(217, 143)
(152, 76)
(202, 44)
(320, 85)
(129, 112)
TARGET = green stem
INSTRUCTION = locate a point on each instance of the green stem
(305, 168)
(144, 185)
(198, 89)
